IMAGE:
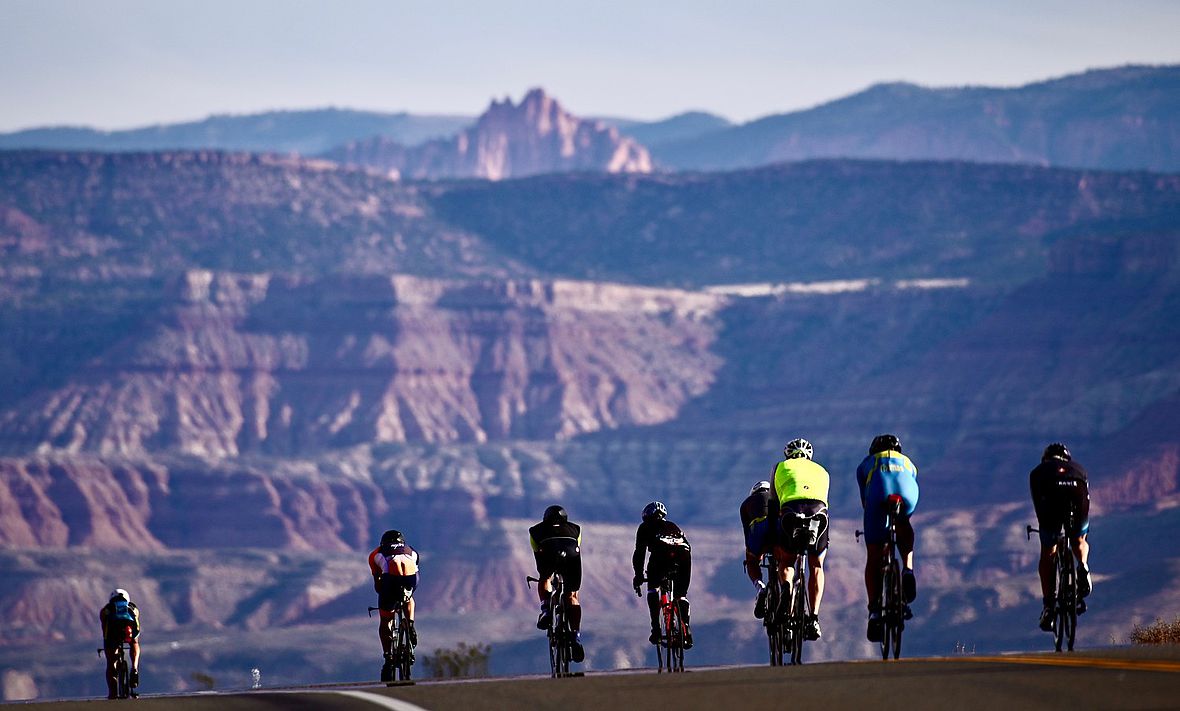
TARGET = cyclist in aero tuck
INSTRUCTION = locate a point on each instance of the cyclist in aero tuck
(1059, 484)
(557, 548)
(669, 547)
(394, 566)
(802, 488)
(119, 619)
(884, 472)
(759, 514)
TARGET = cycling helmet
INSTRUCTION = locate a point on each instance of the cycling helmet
(797, 447)
(120, 592)
(555, 514)
(884, 443)
(391, 538)
(655, 510)
(1056, 450)
(760, 486)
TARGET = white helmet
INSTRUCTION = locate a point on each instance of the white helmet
(120, 592)
(760, 486)
(797, 447)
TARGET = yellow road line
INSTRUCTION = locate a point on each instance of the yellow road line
(1071, 661)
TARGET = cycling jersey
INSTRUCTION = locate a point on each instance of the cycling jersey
(1059, 487)
(800, 478)
(879, 476)
(758, 513)
(557, 548)
(115, 618)
(396, 576)
(669, 547)
(401, 560)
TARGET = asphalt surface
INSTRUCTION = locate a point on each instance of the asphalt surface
(1138, 678)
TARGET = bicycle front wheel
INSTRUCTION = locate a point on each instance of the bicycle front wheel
(1066, 625)
(888, 608)
(404, 653)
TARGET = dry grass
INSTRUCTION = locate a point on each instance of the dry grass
(1158, 632)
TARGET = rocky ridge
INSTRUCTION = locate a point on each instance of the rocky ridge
(507, 141)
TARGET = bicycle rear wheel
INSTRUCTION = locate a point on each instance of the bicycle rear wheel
(774, 628)
(122, 686)
(898, 609)
(404, 654)
(798, 619)
(888, 604)
(1067, 602)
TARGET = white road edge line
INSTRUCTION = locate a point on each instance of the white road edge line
(383, 701)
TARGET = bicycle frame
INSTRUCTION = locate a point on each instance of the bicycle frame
(798, 605)
(1065, 621)
(775, 629)
(670, 650)
(402, 649)
(559, 635)
(120, 656)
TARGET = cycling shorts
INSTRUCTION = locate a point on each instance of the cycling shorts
(1053, 511)
(395, 591)
(562, 556)
(788, 524)
(117, 634)
(876, 532)
(681, 567)
(760, 536)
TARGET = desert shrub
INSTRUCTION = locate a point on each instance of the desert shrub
(1158, 632)
(458, 662)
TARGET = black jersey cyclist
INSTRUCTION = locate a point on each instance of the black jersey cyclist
(557, 548)
(669, 548)
(1059, 485)
(759, 514)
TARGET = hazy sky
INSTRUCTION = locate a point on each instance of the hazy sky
(125, 63)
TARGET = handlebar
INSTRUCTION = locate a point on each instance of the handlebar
(638, 593)
(1028, 531)
(858, 535)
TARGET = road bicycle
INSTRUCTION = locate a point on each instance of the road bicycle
(402, 649)
(804, 535)
(561, 637)
(123, 688)
(1066, 601)
(891, 601)
(776, 630)
(670, 647)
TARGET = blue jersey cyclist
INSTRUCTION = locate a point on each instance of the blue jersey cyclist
(801, 487)
(120, 623)
(886, 472)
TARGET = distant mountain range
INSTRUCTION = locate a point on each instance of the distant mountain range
(1123, 118)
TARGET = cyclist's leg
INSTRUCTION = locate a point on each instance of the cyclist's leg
(385, 632)
(682, 581)
(109, 652)
(655, 576)
(1081, 547)
(133, 676)
(815, 586)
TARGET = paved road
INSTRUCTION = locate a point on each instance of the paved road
(1110, 679)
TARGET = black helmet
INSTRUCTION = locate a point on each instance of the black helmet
(655, 510)
(884, 443)
(392, 538)
(555, 514)
(1056, 450)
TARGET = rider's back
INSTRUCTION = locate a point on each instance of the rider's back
(800, 478)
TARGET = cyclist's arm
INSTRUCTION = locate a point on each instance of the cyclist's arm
(102, 620)
(640, 552)
(862, 479)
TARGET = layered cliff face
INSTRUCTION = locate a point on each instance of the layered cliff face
(508, 140)
(255, 364)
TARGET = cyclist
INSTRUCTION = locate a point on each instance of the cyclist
(669, 547)
(557, 547)
(1059, 484)
(802, 488)
(394, 566)
(758, 512)
(886, 471)
(120, 621)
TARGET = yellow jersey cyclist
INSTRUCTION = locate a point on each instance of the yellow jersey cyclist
(801, 486)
